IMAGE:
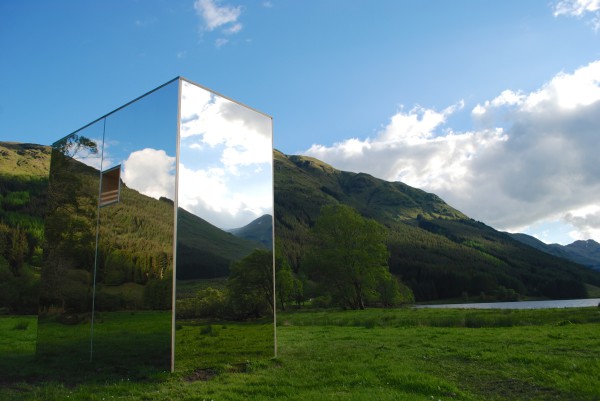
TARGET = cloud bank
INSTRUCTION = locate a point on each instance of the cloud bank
(528, 158)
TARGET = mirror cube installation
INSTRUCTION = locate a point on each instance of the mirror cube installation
(159, 236)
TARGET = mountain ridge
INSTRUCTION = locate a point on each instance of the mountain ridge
(435, 249)
(584, 252)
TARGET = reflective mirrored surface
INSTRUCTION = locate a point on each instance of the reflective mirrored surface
(174, 187)
(65, 303)
(134, 263)
(107, 279)
(224, 289)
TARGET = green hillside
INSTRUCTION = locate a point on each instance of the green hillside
(435, 249)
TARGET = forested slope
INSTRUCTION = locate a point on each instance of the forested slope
(435, 249)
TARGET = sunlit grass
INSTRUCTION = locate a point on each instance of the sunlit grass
(400, 354)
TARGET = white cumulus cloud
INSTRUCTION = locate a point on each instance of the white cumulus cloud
(530, 156)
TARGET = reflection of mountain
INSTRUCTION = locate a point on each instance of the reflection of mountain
(23, 193)
(259, 230)
(205, 251)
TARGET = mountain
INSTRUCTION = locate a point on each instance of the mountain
(259, 230)
(585, 253)
(435, 249)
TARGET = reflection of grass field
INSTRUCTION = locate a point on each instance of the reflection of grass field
(385, 355)
(128, 343)
(17, 343)
(221, 345)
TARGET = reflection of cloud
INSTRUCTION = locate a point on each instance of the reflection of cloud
(150, 172)
(532, 157)
(211, 195)
(225, 159)
(242, 135)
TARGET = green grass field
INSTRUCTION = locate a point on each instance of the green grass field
(401, 354)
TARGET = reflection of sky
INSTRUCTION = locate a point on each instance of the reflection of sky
(225, 159)
(225, 170)
(142, 138)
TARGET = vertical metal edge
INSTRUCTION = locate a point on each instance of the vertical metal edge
(175, 212)
(97, 239)
(273, 242)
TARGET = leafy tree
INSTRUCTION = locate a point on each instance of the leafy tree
(288, 287)
(388, 290)
(349, 256)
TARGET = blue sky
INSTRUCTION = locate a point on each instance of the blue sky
(490, 105)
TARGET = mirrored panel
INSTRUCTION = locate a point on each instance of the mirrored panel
(225, 280)
(65, 302)
(134, 261)
(106, 292)
(179, 180)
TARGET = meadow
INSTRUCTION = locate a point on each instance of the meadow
(376, 354)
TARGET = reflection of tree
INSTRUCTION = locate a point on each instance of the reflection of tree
(72, 146)
(250, 285)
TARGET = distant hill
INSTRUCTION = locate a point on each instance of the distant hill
(586, 253)
(259, 230)
(435, 249)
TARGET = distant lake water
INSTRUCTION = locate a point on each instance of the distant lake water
(562, 303)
